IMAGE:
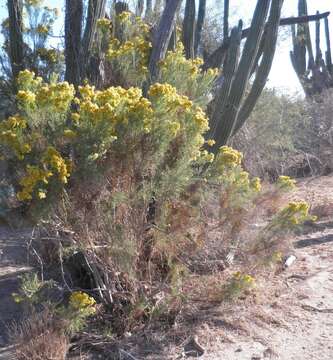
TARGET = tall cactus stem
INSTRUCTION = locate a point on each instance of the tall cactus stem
(265, 66)
(188, 28)
(227, 116)
(328, 48)
(318, 51)
(226, 19)
(229, 71)
(199, 26)
(15, 10)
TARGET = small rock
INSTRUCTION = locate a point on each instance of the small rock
(289, 261)
(239, 349)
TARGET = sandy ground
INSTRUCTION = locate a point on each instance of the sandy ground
(298, 323)
(293, 319)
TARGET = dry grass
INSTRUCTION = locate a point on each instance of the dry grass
(39, 337)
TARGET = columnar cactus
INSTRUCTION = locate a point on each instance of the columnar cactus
(231, 107)
(192, 26)
(199, 26)
(16, 44)
(314, 72)
(189, 28)
(78, 49)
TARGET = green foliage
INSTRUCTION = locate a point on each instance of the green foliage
(29, 289)
(275, 136)
(79, 308)
(237, 286)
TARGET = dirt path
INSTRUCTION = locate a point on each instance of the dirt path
(297, 322)
(13, 262)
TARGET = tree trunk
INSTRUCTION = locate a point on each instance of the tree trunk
(162, 36)
(16, 55)
(96, 10)
(188, 29)
(200, 22)
(73, 32)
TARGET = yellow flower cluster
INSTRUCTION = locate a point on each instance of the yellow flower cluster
(52, 162)
(238, 284)
(135, 47)
(81, 301)
(124, 16)
(210, 142)
(244, 278)
(29, 182)
(49, 55)
(277, 257)
(286, 183)
(10, 130)
(201, 119)
(42, 29)
(104, 24)
(190, 66)
(114, 105)
(57, 163)
(255, 184)
(157, 90)
(168, 94)
(56, 95)
(295, 213)
(27, 80)
(26, 97)
(205, 157)
(137, 44)
(229, 157)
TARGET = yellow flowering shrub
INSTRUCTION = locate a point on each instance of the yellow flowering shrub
(80, 301)
(11, 136)
(104, 24)
(286, 183)
(295, 213)
(128, 52)
(186, 75)
(118, 159)
(33, 136)
(238, 189)
(228, 158)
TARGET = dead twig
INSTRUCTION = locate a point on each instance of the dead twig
(315, 309)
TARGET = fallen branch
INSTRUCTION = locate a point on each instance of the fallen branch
(315, 309)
